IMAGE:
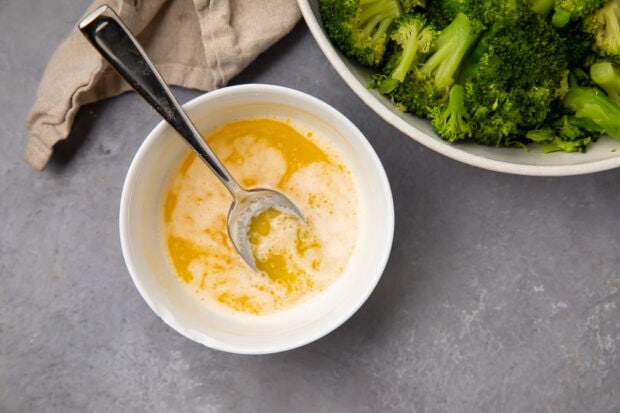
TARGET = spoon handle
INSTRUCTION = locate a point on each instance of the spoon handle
(113, 40)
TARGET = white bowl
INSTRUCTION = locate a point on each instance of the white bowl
(145, 256)
(601, 155)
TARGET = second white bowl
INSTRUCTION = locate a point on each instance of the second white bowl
(601, 155)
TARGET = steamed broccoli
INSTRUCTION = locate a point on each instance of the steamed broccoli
(452, 123)
(607, 75)
(412, 39)
(566, 11)
(542, 7)
(504, 73)
(441, 13)
(485, 11)
(360, 27)
(594, 108)
(567, 134)
(512, 77)
(579, 45)
(428, 82)
(415, 94)
(410, 5)
(604, 25)
(452, 46)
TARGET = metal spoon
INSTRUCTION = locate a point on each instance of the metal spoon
(109, 35)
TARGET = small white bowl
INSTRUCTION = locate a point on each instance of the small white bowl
(146, 259)
(601, 155)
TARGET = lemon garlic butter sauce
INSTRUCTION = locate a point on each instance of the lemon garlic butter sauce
(296, 260)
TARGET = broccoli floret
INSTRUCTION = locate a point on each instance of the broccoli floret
(592, 106)
(604, 26)
(579, 45)
(488, 71)
(442, 13)
(485, 11)
(452, 122)
(512, 77)
(566, 11)
(412, 40)
(607, 75)
(427, 83)
(359, 28)
(416, 94)
(452, 46)
(409, 6)
(567, 134)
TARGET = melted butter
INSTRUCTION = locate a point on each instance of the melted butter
(270, 234)
(297, 260)
(299, 151)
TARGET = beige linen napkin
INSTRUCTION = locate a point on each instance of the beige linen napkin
(198, 44)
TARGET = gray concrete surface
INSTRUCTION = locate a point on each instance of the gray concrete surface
(502, 293)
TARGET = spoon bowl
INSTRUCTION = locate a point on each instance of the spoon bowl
(113, 40)
(247, 205)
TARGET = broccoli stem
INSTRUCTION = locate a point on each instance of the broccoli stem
(409, 53)
(452, 124)
(610, 14)
(542, 7)
(378, 15)
(452, 46)
(560, 18)
(414, 38)
(591, 104)
(607, 77)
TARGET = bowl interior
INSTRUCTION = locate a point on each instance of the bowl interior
(600, 156)
(140, 226)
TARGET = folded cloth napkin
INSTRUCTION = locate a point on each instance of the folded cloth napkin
(198, 44)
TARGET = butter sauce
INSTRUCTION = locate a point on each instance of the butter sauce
(297, 260)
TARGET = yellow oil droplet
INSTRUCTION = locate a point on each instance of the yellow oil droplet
(170, 202)
(260, 225)
(279, 262)
(183, 252)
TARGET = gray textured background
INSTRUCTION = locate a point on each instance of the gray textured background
(502, 293)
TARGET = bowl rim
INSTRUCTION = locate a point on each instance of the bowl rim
(333, 321)
(441, 147)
